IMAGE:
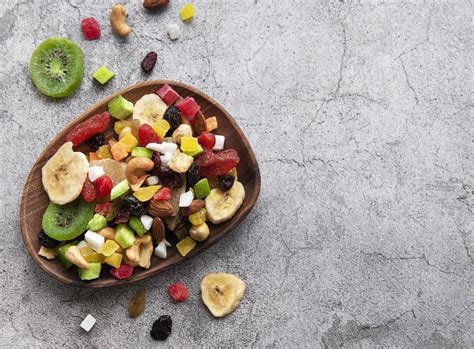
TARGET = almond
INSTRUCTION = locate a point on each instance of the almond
(195, 206)
(160, 208)
(158, 229)
(155, 4)
(200, 123)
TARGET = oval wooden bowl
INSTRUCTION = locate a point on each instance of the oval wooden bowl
(34, 199)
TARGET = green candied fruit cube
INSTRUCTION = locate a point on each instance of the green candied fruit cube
(93, 272)
(124, 236)
(97, 222)
(120, 108)
(137, 225)
(103, 75)
(202, 189)
(142, 152)
(61, 252)
(119, 190)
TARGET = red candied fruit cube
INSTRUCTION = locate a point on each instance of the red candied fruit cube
(188, 107)
(146, 134)
(179, 292)
(163, 194)
(103, 186)
(122, 272)
(86, 129)
(207, 140)
(103, 209)
(224, 161)
(90, 28)
(88, 191)
(167, 94)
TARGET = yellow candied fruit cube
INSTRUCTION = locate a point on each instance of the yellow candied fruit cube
(189, 144)
(120, 125)
(161, 127)
(185, 246)
(104, 152)
(114, 260)
(146, 193)
(198, 218)
(91, 256)
(129, 141)
(187, 12)
(119, 151)
(211, 124)
(108, 248)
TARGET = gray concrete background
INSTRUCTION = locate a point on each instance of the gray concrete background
(360, 115)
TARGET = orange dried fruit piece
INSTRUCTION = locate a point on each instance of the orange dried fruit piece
(146, 193)
(211, 123)
(119, 151)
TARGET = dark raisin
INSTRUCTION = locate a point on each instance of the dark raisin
(161, 328)
(46, 241)
(169, 178)
(95, 141)
(157, 161)
(149, 61)
(225, 182)
(192, 175)
(173, 115)
(134, 206)
(123, 216)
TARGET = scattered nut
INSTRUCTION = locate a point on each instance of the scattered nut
(160, 208)
(136, 306)
(73, 255)
(199, 232)
(158, 229)
(117, 20)
(136, 168)
(182, 130)
(195, 206)
(155, 4)
(137, 185)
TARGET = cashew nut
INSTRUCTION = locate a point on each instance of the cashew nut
(108, 233)
(133, 252)
(73, 255)
(199, 232)
(146, 251)
(117, 20)
(183, 130)
(136, 168)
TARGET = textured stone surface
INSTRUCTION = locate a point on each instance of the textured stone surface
(361, 118)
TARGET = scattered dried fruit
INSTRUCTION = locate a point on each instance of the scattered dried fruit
(136, 306)
(90, 28)
(148, 63)
(161, 328)
(179, 292)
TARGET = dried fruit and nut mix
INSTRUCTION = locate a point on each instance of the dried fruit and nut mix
(161, 177)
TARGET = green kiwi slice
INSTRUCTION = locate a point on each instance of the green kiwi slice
(56, 67)
(66, 222)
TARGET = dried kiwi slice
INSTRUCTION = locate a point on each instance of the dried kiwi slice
(56, 67)
(65, 222)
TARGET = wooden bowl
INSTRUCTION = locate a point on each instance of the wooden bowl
(34, 200)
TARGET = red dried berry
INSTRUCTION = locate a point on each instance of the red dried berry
(224, 162)
(90, 28)
(146, 134)
(103, 186)
(163, 194)
(207, 140)
(103, 209)
(122, 272)
(167, 94)
(88, 191)
(206, 158)
(179, 292)
(88, 128)
(149, 61)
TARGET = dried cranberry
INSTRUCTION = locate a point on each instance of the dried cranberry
(169, 178)
(103, 209)
(88, 128)
(192, 176)
(146, 134)
(88, 191)
(122, 272)
(179, 292)
(123, 216)
(149, 61)
(161, 328)
(46, 241)
(173, 116)
(90, 28)
(225, 182)
(103, 186)
(95, 141)
(207, 140)
(224, 162)
(134, 206)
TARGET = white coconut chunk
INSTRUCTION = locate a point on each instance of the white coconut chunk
(88, 322)
(95, 172)
(94, 240)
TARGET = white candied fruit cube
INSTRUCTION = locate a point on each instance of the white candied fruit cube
(185, 199)
(173, 31)
(163, 148)
(165, 159)
(94, 240)
(152, 180)
(160, 250)
(95, 172)
(88, 322)
(146, 221)
(219, 143)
